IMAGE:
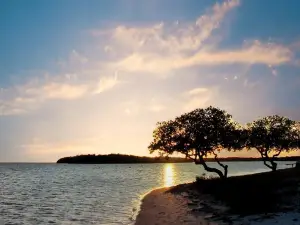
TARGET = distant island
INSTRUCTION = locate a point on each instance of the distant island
(126, 159)
(119, 158)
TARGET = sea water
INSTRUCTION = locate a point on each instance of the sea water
(90, 194)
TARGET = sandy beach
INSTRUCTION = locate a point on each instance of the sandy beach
(161, 207)
(182, 204)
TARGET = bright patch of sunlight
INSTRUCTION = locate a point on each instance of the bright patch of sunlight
(169, 175)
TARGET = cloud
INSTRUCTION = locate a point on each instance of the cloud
(83, 95)
(163, 48)
(196, 91)
(255, 53)
(198, 98)
(57, 91)
(160, 48)
(22, 99)
(65, 86)
(106, 83)
(172, 37)
(27, 97)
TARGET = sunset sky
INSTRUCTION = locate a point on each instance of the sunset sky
(80, 77)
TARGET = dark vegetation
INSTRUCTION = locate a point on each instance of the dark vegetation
(259, 193)
(197, 135)
(270, 136)
(118, 158)
(255, 193)
(204, 133)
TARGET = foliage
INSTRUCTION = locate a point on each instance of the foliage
(271, 136)
(198, 134)
(117, 158)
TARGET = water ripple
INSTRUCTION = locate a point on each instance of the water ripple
(87, 194)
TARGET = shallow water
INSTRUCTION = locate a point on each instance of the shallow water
(90, 194)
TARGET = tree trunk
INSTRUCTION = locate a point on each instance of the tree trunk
(210, 169)
(267, 165)
(225, 167)
(266, 158)
(274, 165)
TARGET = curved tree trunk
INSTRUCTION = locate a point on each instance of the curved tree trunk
(267, 165)
(211, 169)
(225, 167)
(266, 159)
(271, 160)
(274, 164)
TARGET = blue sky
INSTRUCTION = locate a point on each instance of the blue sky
(95, 76)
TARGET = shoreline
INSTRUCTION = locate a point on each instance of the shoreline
(184, 204)
(173, 206)
(162, 207)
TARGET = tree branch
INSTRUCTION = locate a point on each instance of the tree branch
(277, 154)
(217, 160)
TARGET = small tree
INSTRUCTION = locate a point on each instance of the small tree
(197, 135)
(272, 135)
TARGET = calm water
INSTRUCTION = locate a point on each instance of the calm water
(89, 194)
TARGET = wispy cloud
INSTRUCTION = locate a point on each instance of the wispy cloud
(86, 80)
(199, 98)
(106, 83)
(160, 48)
(170, 38)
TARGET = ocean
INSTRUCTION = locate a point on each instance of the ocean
(40, 193)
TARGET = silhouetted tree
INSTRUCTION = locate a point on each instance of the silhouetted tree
(198, 134)
(117, 158)
(272, 135)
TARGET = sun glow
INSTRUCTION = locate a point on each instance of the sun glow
(168, 175)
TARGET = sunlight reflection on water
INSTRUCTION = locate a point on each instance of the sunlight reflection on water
(169, 175)
(91, 194)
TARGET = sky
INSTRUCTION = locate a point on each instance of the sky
(79, 77)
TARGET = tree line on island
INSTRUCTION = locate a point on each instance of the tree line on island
(119, 158)
(204, 133)
(131, 159)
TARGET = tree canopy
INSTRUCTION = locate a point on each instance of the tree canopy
(198, 134)
(271, 136)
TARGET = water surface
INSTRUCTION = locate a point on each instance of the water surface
(90, 194)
